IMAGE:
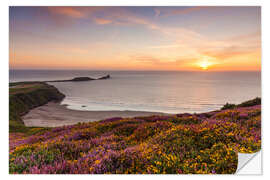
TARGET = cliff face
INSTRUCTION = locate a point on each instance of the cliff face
(26, 96)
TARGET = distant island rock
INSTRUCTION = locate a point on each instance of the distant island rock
(82, 79)
(78, 79)
(105, 77)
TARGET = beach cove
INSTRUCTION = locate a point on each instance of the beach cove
(147, 143)
(53, 114)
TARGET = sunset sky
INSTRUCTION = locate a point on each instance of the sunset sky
(136, 38)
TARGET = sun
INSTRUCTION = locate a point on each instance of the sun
(204, 65)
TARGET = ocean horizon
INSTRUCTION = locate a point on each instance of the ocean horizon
(156, 91)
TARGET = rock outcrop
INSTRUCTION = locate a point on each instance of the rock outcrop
(105, 77)
(78, 79)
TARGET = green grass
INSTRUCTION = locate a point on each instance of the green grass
(251, 102)
(14, 90)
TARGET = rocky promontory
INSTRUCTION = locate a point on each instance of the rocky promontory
(78, 79)
(24, 96)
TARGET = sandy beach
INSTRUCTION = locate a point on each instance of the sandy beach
(54, 114)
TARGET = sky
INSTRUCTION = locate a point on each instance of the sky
(136, 38)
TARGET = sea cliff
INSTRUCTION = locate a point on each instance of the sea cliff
(25, 96)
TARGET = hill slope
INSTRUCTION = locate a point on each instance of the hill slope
(183, 143)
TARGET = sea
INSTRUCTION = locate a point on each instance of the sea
(155, 91)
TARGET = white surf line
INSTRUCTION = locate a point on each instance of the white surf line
(249, 163)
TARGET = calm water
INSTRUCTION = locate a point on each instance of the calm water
(172, 92)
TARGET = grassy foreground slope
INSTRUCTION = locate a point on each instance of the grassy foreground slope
(24, 96)
(182, 143)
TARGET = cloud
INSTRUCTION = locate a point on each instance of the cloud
(67, 11)
(141, 21)
(234, 46)
(63, 16)
(185, 11)
(75, 12)
(113, 15)
(181, 35)
(145, 59)
(102, 21)
(123, 17)
(119, 16)
(228, 52)
(164, 62)
(188, 42)
(253, 38)
(169, 46)
(164, 12)
(194, 48)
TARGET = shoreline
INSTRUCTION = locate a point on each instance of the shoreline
(51, 113)
(54, 114)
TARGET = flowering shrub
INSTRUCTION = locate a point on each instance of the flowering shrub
(205, 143)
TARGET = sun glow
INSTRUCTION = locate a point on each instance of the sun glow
(204, 65)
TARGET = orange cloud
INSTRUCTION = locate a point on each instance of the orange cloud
(233, 47)
(228, 52)
(67, 11)
(102, 21)
(152, 62)
(186, 11)
(75, 12)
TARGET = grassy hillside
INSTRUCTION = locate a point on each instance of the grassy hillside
(252, 102)
(25, 96)
(183, 143)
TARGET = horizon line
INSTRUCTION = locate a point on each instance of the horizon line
(135, 70)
